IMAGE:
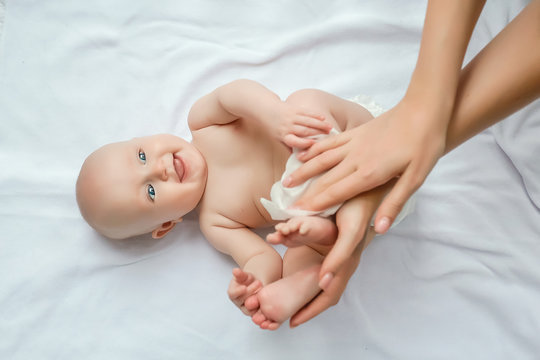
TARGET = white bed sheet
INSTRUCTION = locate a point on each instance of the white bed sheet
(458, 279)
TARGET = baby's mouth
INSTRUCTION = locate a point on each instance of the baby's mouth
(179, 167)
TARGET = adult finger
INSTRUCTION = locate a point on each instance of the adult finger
(331, 296)
(324, 145)
(314, 167)
(322, 302)
(330, 190)
(353, 221)
(352, 231)
(343, 182)
(392, 204)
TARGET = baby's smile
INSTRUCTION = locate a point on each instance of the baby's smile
(179, 167)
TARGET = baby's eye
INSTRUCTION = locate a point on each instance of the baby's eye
(142, 156)
(151, 192)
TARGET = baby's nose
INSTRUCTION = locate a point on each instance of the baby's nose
(160, 171)
(164, 175)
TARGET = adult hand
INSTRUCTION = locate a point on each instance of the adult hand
(331, 295)
(403, 143)
(354, 234)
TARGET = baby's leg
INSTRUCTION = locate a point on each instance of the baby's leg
(281, 299)
(314, 231)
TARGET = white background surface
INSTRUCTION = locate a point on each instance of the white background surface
(458, 279)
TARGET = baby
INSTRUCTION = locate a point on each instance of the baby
(242, 138)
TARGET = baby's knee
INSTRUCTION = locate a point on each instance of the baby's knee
(305, 97)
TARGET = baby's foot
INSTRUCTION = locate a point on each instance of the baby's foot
(281, 299)
(304, 230)
(242, 290)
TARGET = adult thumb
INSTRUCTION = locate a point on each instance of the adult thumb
(392, 204)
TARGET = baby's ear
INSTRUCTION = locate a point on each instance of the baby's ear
(164, 228)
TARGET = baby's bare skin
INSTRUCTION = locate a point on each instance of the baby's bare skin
(230, 206)
(304, 230)
(242, 135)
(278, 301)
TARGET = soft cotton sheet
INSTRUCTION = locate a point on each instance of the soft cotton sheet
(458, 279)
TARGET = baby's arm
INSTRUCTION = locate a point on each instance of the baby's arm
(246, 100)
(340, 113)
(257, 259)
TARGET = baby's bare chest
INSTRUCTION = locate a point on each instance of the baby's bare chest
(242, 167)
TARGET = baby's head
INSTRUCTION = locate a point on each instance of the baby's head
(140, 186)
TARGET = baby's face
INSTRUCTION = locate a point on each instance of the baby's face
(134, 186)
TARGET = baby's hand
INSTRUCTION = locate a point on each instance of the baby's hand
(243, 286)
(295, 125)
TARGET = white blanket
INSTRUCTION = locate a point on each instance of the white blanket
(458, 279)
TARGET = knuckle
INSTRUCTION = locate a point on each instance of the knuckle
(326, 159)
(315, 148)
(367, 173)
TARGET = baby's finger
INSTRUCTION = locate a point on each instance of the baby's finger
(296, 142)
(312, 115)
(314, 123)
(305, 131)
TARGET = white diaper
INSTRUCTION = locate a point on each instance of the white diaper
(282, 198)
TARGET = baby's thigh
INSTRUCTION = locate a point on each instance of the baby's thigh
(315, 101)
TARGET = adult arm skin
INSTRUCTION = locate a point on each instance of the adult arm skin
(407, 140)
(501, 79)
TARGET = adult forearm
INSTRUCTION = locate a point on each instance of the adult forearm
(447, 29)
(501, 79)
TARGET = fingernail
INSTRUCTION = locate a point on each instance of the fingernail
(326, 280)
(287, 181)
(382, 225)
(301, 154)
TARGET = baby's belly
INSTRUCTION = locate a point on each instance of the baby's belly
(234, 192)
